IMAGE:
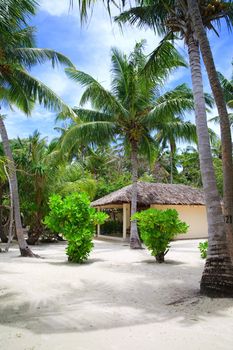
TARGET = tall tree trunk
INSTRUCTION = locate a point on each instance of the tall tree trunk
(224, 119)
(172, 152)
(3, 236)
(37, 227)
(23, 247)
(11, 214)
(135, 242)
(217, 278)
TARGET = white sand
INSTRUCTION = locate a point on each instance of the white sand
(119, 300)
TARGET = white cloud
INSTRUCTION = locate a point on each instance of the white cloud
(57, 7)
(19, 125)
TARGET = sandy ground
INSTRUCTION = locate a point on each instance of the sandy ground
(120, 299)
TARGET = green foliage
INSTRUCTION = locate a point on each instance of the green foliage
(73, 217)
(74, 178)
(190, 174)
(203, 247)
(112, 183)
(158, 228)
(218, 174)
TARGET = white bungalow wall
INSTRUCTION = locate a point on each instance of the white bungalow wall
(194, 215)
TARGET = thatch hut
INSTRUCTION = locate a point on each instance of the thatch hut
(188, 201)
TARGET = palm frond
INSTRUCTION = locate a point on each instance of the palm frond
(227, 86)
(99, 133)
(31, 56)
(99, 97)
(38, 91)
(149, 14)
(175, 102)
(88, 115)
(163, 60)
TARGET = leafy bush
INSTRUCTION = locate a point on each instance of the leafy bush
(158, 228)
(73, 217)
(203, 247)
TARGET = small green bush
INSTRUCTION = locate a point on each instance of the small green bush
(203, 247)
(158, 228)
(73, 217)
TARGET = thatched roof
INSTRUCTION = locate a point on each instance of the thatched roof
(155, 193)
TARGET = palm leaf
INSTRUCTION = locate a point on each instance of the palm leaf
(32, 56)
(163, 60)
(95, 92)
(89, 132)
(37, 91)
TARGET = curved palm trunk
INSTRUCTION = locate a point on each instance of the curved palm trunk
(23, 247)
(135, 242)
(224, 119)
(217, 278)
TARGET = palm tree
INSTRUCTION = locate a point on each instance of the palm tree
(131, 109)
(169, 18)
(19, 88)
(202, 16)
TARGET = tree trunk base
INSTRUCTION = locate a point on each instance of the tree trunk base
(135, 243)
(26, 252)
(160, 258)
(217, 278)
(32, 240)
(3, 238)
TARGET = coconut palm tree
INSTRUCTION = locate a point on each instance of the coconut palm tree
(168, 18)
(19, 88)
(205, 14)
(131, 109)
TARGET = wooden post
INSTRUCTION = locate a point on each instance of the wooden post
(124, 220)
(98, 226)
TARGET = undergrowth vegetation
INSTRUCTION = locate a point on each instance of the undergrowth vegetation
(74, 218)
(158, 228)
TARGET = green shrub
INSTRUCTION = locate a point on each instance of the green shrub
(73, 217)
(158, 228)
(203, 247)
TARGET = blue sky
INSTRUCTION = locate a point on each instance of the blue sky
(89, 49)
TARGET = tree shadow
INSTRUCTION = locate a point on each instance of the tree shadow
(166, 262)
(73, 264)
(135, 294)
